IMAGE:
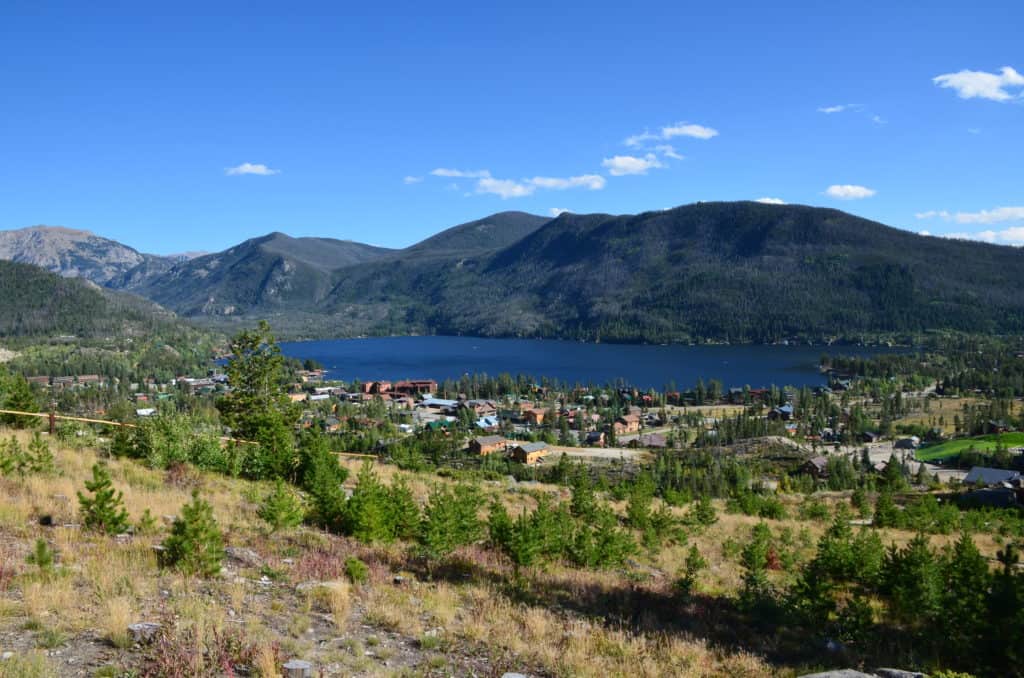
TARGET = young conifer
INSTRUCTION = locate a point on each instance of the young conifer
(195, 545)
(104, 511)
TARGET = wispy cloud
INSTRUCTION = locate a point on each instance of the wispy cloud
(506, 188)
(849, 192)
(459, 174)
(412, 180)
(993, 216)
(680, 129)
(838, 108)
(558, 211)
(1009, 236)
(519, 188)
(983, 85)
(593, 182)
(621, 165)
(771, 201)
(668, 151)
(250, 168)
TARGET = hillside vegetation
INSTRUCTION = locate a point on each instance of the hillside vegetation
(69, 326)
(737, 272)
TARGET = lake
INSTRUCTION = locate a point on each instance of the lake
(644, 366)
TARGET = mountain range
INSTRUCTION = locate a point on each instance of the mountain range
(740, 271)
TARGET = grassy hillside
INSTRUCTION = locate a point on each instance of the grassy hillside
(287, 594)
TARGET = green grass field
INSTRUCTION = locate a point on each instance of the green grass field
(981, 443)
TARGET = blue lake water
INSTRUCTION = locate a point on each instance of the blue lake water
(643, 366)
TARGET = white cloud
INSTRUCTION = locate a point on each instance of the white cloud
(641, 139)
(992, 216)
(558, 211)
(412, 180)
(833, 109)
(771, 201)
(506, 188)
(1009, 236)
(924, 233)
(511, 188)
(681, 129)
(668, 151)
(250, 168)
(593, 182)
(849, 192)
(621, 165)
(982, 85)
(459, 174)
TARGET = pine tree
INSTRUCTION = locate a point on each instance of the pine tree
(583, 501)
(104, 511)
(404, 517)
(195, 545)
(367, 516)
(281, 509)
(886, 513)
(322, 478)
(692, 566)
(524, 543)
(703, 512)
(450, 520)
(43, 557)
(12, 457)
(40, 457)
(964, 610)
(499, 526)
(21, 398)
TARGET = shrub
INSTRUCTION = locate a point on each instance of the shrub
(104, 511)
(281, 509)
(40, 457)
(356, 570)
(195, 545)
(42, 556)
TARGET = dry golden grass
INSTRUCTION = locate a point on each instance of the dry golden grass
(339, 602)
(117, 614)
(108, 584)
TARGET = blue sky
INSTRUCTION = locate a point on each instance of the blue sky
(192, 126)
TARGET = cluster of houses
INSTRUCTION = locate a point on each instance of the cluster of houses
(996, 487)
(524, 453)
(68, 382)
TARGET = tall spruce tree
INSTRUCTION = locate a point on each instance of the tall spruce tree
(257, 407)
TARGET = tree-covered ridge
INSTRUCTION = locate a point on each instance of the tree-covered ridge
(721, 271)
(67, 326)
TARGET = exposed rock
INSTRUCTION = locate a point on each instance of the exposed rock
(143, 632)
(245, 556)
(298, 668)
(898, 673)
